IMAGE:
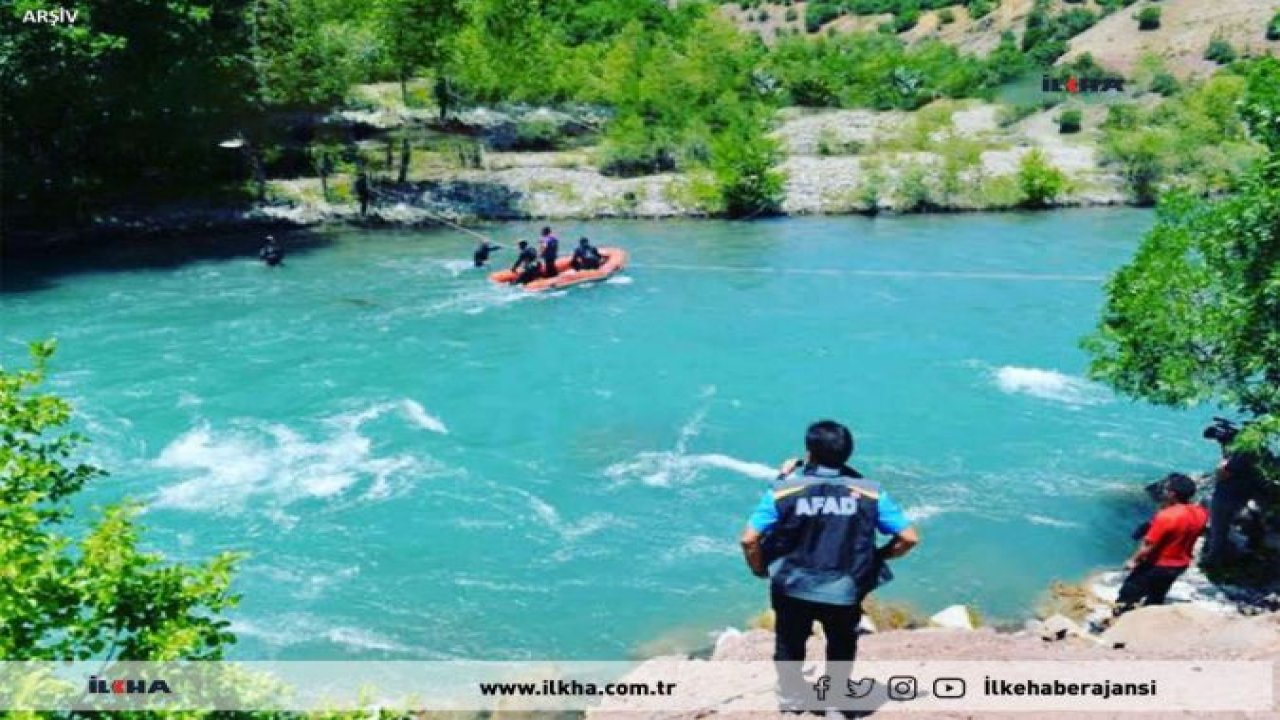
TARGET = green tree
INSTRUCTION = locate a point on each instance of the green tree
(95, 596)
(129, 101)
(416, 33)
(1195, 317)
(1040, 182)
(307, 53)
(743, 159)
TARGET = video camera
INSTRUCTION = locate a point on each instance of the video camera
(1222, 430)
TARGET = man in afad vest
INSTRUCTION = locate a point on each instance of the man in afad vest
(814, 536)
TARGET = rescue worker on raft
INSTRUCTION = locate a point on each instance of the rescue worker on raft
(526, 267)
(586, 256)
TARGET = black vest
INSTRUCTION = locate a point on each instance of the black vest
(823, 546)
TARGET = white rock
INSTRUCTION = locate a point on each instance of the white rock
(866, 625)
(1059, 627)
(955, 617)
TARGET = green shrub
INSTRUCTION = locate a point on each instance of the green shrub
(1149, 18)
(1121, 116)
(817, 14)
(536, 135)
(946, 16)
(1273, 29)
(907, 19)
(1220, 51)
(743, 157)
(1009, 115)
(980, 8)
(913, 191)
(1069, 121)
(1164, 83)
(1040, 182)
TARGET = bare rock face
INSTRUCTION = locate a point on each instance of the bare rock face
(1174, 628)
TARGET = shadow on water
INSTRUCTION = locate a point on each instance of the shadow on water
(32, 270)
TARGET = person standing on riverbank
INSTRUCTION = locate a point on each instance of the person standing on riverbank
(1168, 547)
(813, 535)
(363, 192)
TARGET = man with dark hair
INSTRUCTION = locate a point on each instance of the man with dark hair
(484, 249)
(585, 256)
(550, 249)
(526, 265)
(271, 253)
(1167, 548)
(814, 536)
(363, 192)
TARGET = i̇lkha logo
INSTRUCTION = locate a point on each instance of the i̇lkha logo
(1076, 85)
(101, 686)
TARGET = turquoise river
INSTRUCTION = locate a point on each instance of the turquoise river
(423, 465)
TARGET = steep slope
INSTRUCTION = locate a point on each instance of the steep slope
(1186, 27)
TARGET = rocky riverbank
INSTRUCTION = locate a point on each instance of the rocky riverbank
(1179, 631)
(949, 156)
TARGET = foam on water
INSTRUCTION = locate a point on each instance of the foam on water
(298, 629)
(420, 417)
(1051, 522)
(665, 469)
(274, 465)
(619, 280)
(1049, 385)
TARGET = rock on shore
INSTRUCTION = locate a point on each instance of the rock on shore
(1174, 632)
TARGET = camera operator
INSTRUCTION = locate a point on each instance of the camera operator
(1237, 480)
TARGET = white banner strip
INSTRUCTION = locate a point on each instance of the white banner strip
(652, 686)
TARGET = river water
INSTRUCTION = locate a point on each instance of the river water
(421, 465)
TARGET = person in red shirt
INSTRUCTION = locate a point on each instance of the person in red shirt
(1168, 547)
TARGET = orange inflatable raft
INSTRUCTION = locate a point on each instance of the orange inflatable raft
(615, 259)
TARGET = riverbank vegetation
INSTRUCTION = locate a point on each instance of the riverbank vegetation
(1195, 317)
(86, 590)
(137, 104)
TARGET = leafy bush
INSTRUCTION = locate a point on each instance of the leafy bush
(1069, 121)
(536, 135)
(1009, 115)
(743, 159)
(77, 583)
(913, 192)
(1149, 18)
(819, 13)
(1273, 29)
(1046, 36)
(1121, 116)
(1040, 182)
(874, 71)
(980, 8)
(1196, 140)
(907, 19)
(946, 16)
(1164, 83)
(1220, 51)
